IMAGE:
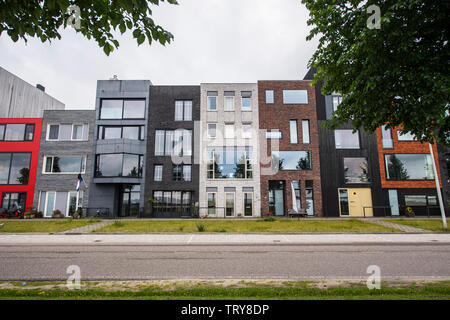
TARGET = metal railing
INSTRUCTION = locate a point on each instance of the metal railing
(377, 207)
(98, 213)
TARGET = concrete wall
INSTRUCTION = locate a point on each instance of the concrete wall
(104, 192)
(238, 117)
(19, 99)
(63, 183)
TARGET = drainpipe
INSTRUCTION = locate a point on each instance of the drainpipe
(438, 189)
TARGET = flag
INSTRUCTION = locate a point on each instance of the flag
(79, 181)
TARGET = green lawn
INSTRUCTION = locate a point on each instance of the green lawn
(427, 224)
(236, 226)
(21, 226)
(239, 290)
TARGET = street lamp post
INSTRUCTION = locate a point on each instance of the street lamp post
(438, 189)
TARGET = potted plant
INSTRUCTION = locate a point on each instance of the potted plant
(57, 214)
(409, 212)
(239, 215)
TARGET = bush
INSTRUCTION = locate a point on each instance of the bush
(201, 227)
(269, 218)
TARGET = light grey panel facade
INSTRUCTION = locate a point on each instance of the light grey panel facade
(230, 110)
(62, 183)
(19, 99)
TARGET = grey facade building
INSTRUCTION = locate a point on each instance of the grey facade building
(119, 149)
(65, 152)
(229, 151)
(172, 172)
(19, 99)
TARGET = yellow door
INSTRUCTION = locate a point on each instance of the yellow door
(358, 198)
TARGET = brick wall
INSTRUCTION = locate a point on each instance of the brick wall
(404, 147)
(277, 116)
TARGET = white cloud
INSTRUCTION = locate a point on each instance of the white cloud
(215, 41)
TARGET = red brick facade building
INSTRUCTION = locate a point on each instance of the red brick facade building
(290, 108)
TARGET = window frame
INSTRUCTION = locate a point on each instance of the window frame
(101, 131)
(272, 131)
(347, 148)
(253, 202)
(293, 131)
(242, 104)
(10, 166)
(154, 172)
(140, 168)
(248, 170)
(208, 107)
(183, 109)
(24, 138)
(234, 203)
(123, 108)
(207, 131)
(279, 151)
(306, 131)
(273, 96)
(44, 164)
(295, 103)
(386, 167)
(225, 98)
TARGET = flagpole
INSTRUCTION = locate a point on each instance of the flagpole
(438, 189)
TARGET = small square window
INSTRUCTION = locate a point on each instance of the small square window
(212, 130)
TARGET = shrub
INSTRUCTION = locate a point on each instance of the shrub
(201, 227)
(57, 214)
(269, 218)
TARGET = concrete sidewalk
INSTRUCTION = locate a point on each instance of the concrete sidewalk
(222, 239)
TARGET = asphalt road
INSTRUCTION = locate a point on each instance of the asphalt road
(271, 261)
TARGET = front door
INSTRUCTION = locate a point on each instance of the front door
(276, 197)
(129, 204)
(352, 202)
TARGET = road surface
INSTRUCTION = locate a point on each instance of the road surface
(294, 261)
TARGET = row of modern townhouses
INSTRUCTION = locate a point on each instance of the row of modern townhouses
(210, 150)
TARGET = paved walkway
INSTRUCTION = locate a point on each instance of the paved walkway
(224, 239)
(89, 228)
(401, 227)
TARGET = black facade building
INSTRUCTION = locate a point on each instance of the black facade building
(349, 164)
(172, 176)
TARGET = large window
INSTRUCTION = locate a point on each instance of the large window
(336, 102)
(229, 103)
(17, 132)
(295, 97)
(229, 131)
(67, 132)
(183, 110)
(212, 205)
(356, 170)
(293, 131)
(173, 142)
(270, 97)
(273, 134)
(11, 201)
(309, 190)
(346, 139)
(122, 109)
(291, 160)
(64, 164)
(386, 138)
(407, 136)
(232, 163)
(14, 168)
(119, 165)
(181, 172)
(158, 172)
(230, 203)
(305, 132)
(121, 132)
(408, 167)
(212, 100)
(172, 201)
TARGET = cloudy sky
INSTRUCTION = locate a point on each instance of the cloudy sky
(215, 41)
